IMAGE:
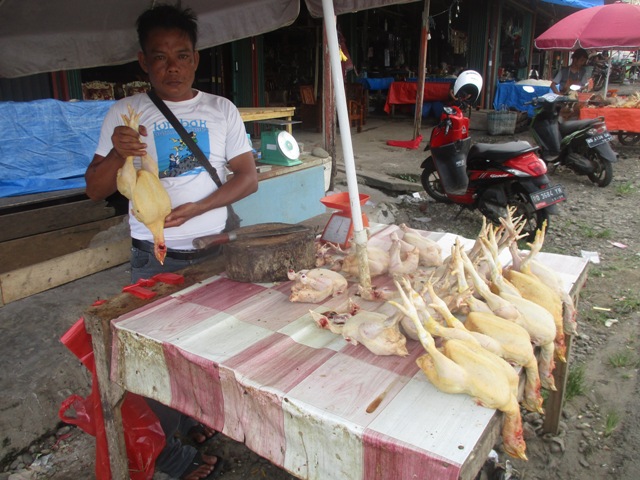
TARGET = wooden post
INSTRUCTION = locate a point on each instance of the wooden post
(553, 405)
(328, 108)
(422, 66)
(111, 396)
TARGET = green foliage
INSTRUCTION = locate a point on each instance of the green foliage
(589, 231)
(623, 359)
(611, 422)
(407, 177)
(625, 188)
(627, 302)
(576, 383)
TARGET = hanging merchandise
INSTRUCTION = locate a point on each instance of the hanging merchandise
(458, 41)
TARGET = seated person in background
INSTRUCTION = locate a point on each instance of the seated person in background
(575, 74)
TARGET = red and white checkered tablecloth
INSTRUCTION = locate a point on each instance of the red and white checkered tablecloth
(244, 360)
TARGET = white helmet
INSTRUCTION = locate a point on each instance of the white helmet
(468, 86)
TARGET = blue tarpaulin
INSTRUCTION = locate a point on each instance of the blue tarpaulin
(47, 144)
(577, 3)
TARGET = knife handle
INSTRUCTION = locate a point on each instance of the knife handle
(207, 241)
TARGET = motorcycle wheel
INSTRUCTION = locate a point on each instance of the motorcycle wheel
(603, 174)
(534, 218)
(431, 182)
(629, 138)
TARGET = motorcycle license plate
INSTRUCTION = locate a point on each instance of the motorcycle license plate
(599, 139)
(547, 197)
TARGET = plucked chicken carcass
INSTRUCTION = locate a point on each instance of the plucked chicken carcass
(462, 367)
(535, 290)
(526, 263)
(315, 285)
(149, 200)
(378, 332)
(430, 251)
(403, 257)
(378, 262)
(513, 341)
(535, 319)
(541, 334)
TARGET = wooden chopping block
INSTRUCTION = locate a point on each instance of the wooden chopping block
(267, 259)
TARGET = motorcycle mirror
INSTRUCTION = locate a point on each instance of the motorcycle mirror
(528, 88)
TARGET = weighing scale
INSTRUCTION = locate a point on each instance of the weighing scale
(278, 147)
(339, 228)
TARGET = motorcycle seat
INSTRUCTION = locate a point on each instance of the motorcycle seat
(500, 152)
(571, 126)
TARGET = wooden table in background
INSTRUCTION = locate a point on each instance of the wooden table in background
(253, 114)
(244, 360)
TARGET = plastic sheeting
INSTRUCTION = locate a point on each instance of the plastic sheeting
(577, 3)
(44, 36)
(47, 144)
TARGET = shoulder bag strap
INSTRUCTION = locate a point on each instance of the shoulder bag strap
(186, 138)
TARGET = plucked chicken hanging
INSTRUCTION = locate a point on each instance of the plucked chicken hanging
(149, 200)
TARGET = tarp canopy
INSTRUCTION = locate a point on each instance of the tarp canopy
(43, 36)
(577, 3)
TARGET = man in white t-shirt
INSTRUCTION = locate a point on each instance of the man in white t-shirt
(198, 207)
(168, 37)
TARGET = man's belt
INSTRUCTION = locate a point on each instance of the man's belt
(147, 246)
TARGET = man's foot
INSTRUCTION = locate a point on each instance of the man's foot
(202, 467)
(200, 433)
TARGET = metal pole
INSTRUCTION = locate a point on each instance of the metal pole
(606, 81)
(360, 235)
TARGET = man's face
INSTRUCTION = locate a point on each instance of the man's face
(170, 60)
(581, 61)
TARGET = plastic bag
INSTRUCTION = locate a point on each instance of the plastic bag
(144, 437)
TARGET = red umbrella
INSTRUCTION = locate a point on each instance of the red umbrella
(608, 27)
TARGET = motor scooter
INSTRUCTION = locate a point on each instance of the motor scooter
(488, 177)
(580, 145)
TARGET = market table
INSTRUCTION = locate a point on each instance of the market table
(405, 93)
(512, 95)
(252, 114)
(623, 121)
(617, 119)
(244, 360)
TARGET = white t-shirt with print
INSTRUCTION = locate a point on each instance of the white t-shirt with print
(218, 130)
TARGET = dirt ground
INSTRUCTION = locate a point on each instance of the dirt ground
(600, 432)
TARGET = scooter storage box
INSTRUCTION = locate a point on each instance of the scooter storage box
(451, 162)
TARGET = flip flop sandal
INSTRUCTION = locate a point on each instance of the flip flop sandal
(198, 461)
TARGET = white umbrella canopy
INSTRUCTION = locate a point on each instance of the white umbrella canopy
(49, 35)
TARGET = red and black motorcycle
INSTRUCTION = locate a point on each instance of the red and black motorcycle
(488, 177)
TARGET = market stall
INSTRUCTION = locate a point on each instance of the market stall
(405, 93)
(512, 95)
(624, 121)
(243, 359)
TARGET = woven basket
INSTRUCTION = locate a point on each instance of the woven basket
(501, 122)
